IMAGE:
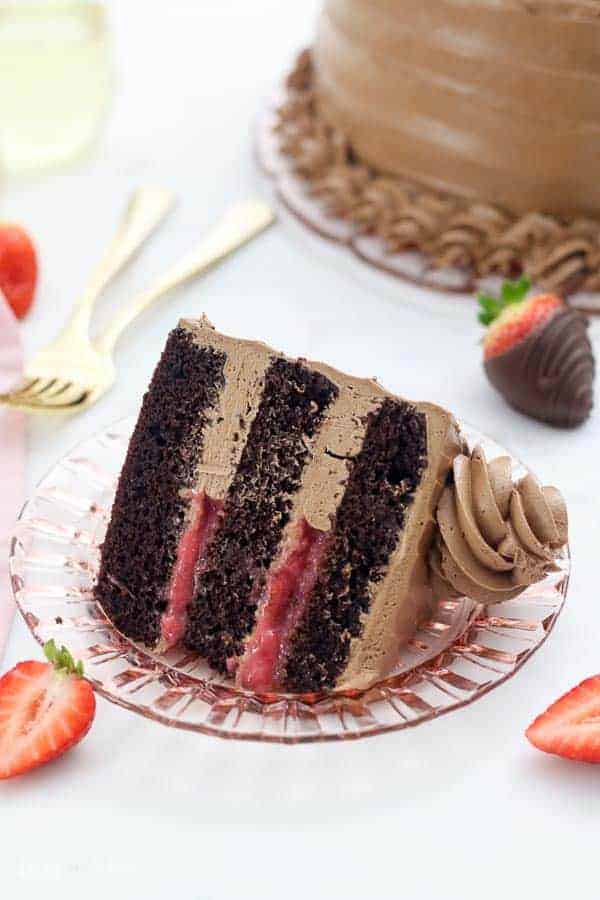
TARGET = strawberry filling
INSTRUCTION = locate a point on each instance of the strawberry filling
(285, 596)
(191, 556)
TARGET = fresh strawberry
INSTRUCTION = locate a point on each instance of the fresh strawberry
(513, 316)
(571, 726)
(45, 708)
(18, 268)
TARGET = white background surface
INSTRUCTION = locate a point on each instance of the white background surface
(458, 808)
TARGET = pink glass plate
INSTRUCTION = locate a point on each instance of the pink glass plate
(458, 656)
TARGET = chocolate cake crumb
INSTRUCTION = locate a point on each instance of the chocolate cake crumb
(149, 510)
(257, 509)
(382, 481)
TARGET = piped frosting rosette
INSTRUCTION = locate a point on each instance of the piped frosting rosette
(495, 537)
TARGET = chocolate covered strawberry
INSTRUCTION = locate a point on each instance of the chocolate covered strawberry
(45, 709)
(538, 355)
(571, 726)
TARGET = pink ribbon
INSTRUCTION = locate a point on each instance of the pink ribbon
(12, 459)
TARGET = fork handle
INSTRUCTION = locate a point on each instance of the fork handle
(147, 208)
(238, 226)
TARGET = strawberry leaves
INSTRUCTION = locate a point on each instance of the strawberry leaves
(62, 660)
(512, 292)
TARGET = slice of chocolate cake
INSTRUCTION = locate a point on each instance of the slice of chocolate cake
(274, 515)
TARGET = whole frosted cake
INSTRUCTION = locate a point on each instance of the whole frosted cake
(493, 100)
(466, 129)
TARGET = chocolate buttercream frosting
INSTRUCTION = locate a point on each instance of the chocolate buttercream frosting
(495, 538)
(492, 101)
(549, 230)
(550, 374)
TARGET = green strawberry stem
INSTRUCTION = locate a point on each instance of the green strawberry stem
(62, 660)
(512, 292)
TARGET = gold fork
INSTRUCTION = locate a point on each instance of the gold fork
(91, 368)
(58, 377)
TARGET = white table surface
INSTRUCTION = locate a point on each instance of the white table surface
(458, 808)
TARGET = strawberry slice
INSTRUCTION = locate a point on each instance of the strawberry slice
(513, 316)
(571, 726)
(18, 268)
(45, 708)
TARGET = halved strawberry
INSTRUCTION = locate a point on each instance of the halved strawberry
(513, 316)
(571, 726)
(45, 708)
(18, 268)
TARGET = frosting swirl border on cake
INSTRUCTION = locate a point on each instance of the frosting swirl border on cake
(478, 238)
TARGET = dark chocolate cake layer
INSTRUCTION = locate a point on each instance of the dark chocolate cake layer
(256, 510)
(381, 484)
(150, 506)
